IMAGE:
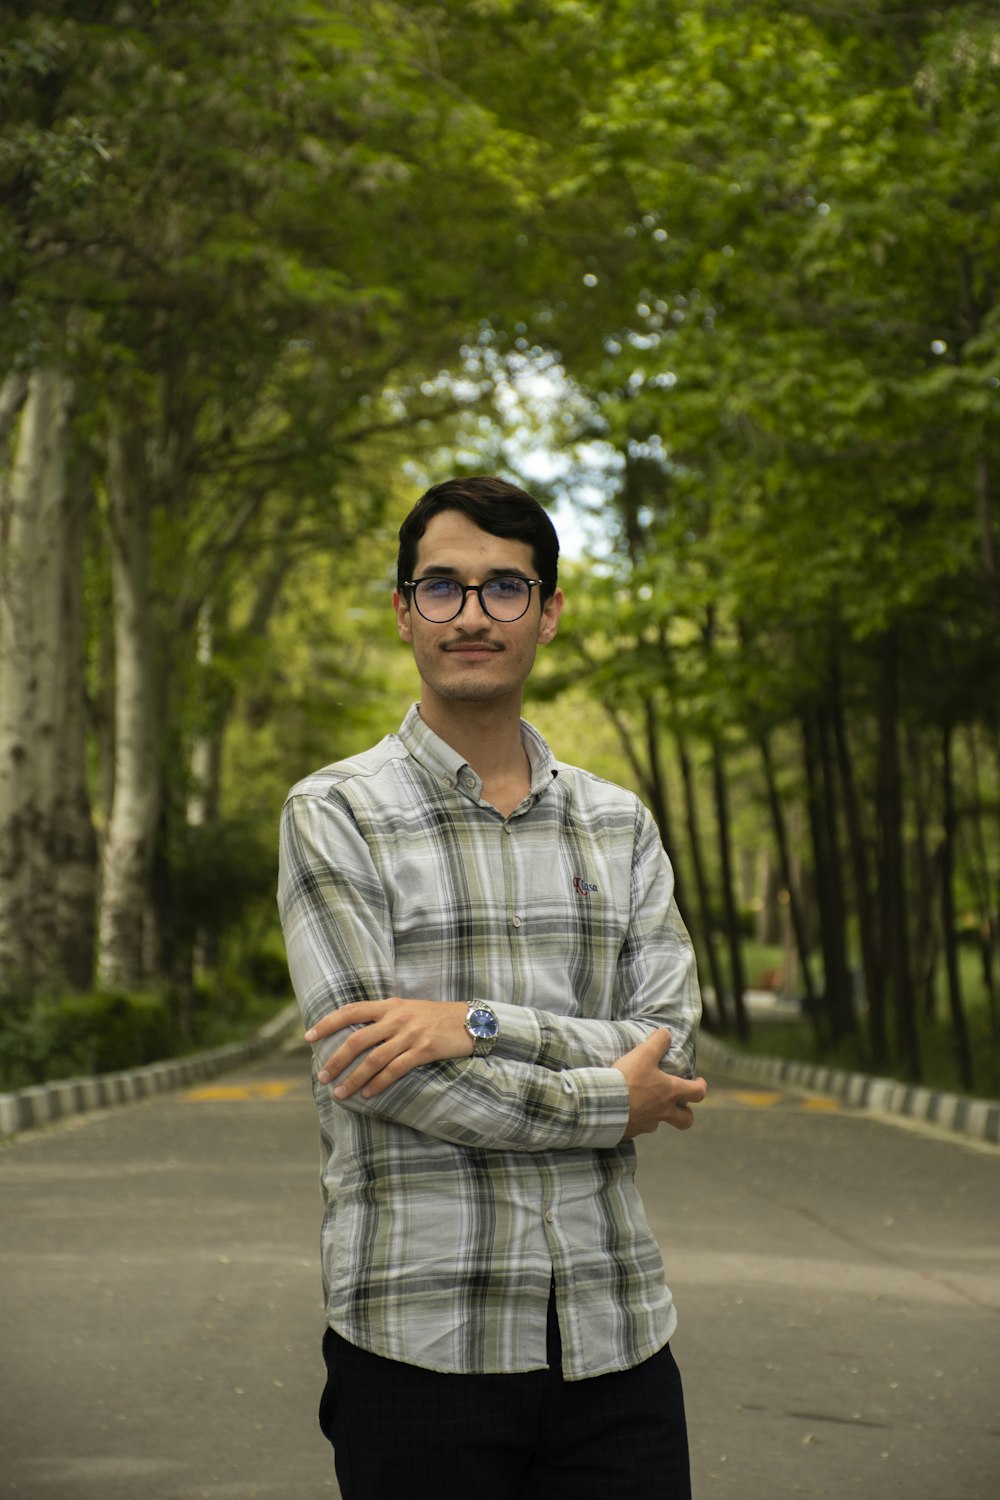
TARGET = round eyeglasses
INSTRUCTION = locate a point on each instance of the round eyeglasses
(442, 599)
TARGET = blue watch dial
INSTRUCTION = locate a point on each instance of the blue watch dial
(482, 1023)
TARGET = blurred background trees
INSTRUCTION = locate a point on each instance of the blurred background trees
(717, 280)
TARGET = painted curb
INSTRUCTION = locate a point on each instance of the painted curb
(979, 1118)
(45, 1103)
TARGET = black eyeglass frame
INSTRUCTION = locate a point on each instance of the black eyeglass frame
(473, 588)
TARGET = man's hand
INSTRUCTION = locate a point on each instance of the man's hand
(655, 1097)
(401, 1035)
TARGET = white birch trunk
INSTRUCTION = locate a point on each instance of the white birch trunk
(128, 847)
(206, 759)
(13, 394)
(48, 576)
(26, 524)
(76, 869)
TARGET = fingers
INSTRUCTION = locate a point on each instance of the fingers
(678, 1112)
(657, 1098)
(347, 1053)
(379, 1066)
(391, 1038)
(380, 1048)
(361, 1013)
(698, 1090)
(358, 1013)
(689, 1090)
(658, 1044)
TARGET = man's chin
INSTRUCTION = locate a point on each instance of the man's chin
(472, 692)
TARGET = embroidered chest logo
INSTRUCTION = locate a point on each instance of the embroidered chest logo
(583, 887)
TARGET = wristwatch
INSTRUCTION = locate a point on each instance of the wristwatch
(482, 1025)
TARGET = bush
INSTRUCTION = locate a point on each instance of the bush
(73, 1034)
(101, 1032)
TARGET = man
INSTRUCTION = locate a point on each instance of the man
(488, 956)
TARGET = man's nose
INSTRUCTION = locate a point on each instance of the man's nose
(472, 615)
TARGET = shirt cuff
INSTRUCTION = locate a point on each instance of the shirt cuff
(520, 1038)
(602, 1105)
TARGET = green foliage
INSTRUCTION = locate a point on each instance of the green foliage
(81, 1035)
(219, 871)
(300, 251)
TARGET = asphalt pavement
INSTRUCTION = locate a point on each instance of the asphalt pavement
(837, 1277)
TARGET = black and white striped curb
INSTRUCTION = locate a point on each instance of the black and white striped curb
(46, 1103)
(973, 1117)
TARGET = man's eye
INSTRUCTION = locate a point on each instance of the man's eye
(506, 588)
(439, 588)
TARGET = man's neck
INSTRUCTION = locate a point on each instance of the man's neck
(487, 735)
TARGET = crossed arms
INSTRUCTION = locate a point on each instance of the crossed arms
(398, 1035)
(554, 1082)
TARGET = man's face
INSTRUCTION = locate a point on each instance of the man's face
(473, 658)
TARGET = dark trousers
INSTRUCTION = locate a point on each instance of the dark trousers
(403, 1433)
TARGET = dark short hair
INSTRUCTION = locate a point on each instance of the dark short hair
(494, 505)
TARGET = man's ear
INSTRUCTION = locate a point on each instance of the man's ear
(551, 610)
(402, 609)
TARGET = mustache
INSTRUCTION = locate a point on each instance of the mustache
(475, 641)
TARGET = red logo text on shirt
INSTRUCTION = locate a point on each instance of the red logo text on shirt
(583, 887)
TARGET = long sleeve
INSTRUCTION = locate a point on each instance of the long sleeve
(453, 1199)
(656, 983)
(337, 924)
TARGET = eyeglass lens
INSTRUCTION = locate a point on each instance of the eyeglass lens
(441, 599)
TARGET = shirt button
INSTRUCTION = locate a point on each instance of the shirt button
(506, 828)
(470, 781)
(549, 1217)
(517, 921)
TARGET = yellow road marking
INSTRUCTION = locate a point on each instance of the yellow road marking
(214, 1093)
(768, 1098)
(222, 1093)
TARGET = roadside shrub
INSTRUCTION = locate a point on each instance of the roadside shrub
(63, 1036)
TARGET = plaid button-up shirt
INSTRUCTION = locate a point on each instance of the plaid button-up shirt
(456, 1196)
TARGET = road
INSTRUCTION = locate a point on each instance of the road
(837, 1275)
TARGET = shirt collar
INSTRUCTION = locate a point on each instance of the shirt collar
(437, 757)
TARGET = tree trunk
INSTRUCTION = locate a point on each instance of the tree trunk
(13, 394)
(823, 1019)
(987, 896)
(863, 895)
(925, 863)
(987, 547)
(963, 1047)
(730, 915)
(31, 575)
(892, 884)
(769, 925)
(734, 937)
(660, 806)
(102, 710)
(839, 986)
(701, 883)
(49, 653)
(76, 865)
(207, 743)
(651, 782)
(128, 848)
(20, 504)
(787, 874)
